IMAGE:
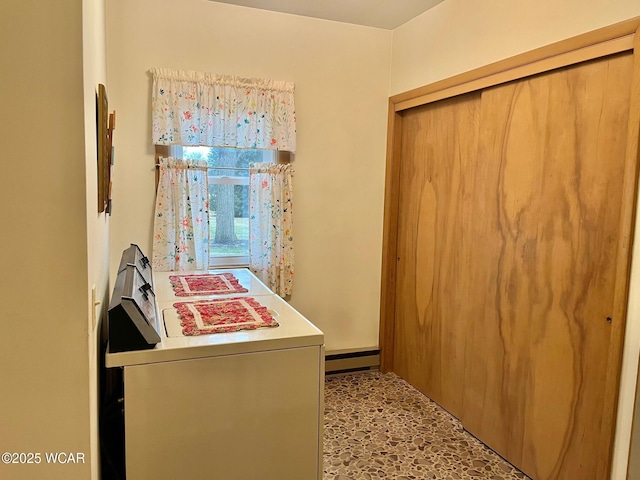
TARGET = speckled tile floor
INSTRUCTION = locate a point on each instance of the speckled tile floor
(377, 426)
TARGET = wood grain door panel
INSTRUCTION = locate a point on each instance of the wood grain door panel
(432, 254)
(507, 198)
(579, 233)
(508, 229)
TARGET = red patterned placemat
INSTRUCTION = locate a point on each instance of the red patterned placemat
(222, 315)
(205, 284)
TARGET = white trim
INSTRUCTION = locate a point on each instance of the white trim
(227, 180)
(229, 261)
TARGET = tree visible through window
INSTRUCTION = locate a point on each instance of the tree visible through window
(228, 199)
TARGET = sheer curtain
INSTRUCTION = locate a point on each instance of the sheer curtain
(194, 108)
(181, 225)
(270, 225)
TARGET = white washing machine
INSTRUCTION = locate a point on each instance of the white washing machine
(244, 405)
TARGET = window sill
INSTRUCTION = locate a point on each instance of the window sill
(229, 262)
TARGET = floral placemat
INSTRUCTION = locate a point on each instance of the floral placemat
(222, 315)
(205, 284)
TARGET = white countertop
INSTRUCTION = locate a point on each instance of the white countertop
(294, 329)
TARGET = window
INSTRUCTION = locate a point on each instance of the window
(228, 199)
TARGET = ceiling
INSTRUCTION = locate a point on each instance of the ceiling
(387, 14)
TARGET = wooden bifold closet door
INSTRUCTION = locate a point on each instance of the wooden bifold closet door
(508, 230)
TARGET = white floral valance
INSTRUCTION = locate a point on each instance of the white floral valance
(193, 108)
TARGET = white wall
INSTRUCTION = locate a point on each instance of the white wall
(457, 36)
(97, 235)
(341, 74)
(54, 243)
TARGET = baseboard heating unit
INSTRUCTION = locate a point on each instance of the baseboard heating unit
(343, 361)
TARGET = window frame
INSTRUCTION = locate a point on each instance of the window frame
(228, 260)
(176, 151)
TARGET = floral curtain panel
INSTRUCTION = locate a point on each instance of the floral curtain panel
(193, 108)
(270, 226)
(181, 225)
